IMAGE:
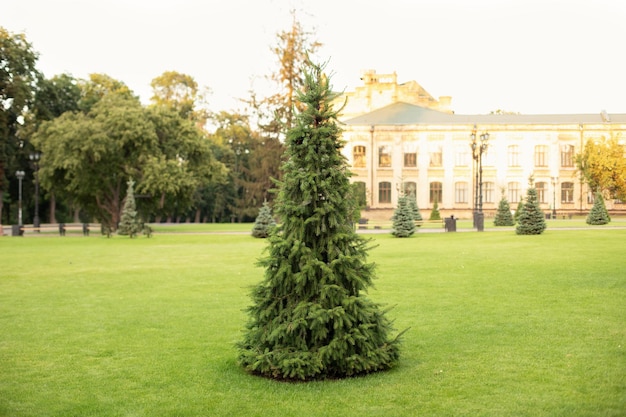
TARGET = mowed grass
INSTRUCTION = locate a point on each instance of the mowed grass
(500, 325)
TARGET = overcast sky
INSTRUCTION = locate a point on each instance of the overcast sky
(528, 56)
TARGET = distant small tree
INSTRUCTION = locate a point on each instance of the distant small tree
(503, 215)
(403, 218)
(598, 214)
(531, 220)
(264, 222)
(434, 214)
(129, 222)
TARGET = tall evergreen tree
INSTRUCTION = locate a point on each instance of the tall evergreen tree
(518, 210)
(264, 222)
(129, 222)
(403, 219)
(598, 214)
(531, 220)
(309, 318)
(503, 215)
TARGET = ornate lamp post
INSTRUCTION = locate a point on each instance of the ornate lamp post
(20, 177)
(555, 181)
(478, 148)
(35, 157)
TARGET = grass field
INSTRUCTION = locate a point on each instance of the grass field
(500, 325)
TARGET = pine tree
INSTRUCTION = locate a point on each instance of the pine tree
(403, 218)
(434, 213)
(129, 222)
(531, 220)
(598, 214)
(503, 215)
(518, 210)
(264, 222)
(309, 318)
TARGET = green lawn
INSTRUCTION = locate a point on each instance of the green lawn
(500, 325)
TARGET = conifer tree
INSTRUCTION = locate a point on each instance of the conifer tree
(531, 219)
(503, 214)
(403, 218)
(518, 210)
(598, 214)
(310, 318)
(129, 222)
(434, 213)
(264, 222)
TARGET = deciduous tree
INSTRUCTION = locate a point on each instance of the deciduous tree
(602, 164)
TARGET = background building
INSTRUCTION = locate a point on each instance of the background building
(400, 139)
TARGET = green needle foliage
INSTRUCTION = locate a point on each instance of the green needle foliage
(310, 319)
(403, 218)
(531, 220)
(598, 214)
(129, 222)
(434, 213)
(417, 215)
(503, 215)
(264, 222)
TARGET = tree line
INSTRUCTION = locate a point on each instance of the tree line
(94, 135)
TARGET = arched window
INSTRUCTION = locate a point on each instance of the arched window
(360, 193)
(436, 192)
(567, 192)
(410, 188)
(541, 191)
(460, 192)
(513, 189)
(384, 192)
(567, 155)
(384, 156)
(489, 192)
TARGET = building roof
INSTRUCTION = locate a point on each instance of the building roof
(409, 114)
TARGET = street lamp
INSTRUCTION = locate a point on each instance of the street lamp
(555, 181)
(20, 177)
(478, 148)
(34, 157)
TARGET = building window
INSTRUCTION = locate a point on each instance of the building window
(567, 192)
(513, 189)
(410, 155)
(460, 192)
(541, 191)
(384, 156)
(410, 188)
(513, 155)
(436, 193)
(567, 155)
(461, 156)
(541, 159)
(488, 192)
(358, 156)
(384, 192)
(436, 156)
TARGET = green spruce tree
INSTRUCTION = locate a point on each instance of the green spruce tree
(598, 214)
(129, 222)
(531, 220)
(434, 213)
(309, 318)
(503, 214)
(264, 222)
(403, 218)
(518, 210)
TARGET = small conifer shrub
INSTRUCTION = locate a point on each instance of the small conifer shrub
(264, 222)
(598, 214)
(531, 220)
(503, 214)
(403, 218)
(129, 221)
(434, 213)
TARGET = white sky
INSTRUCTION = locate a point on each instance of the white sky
(529, 56)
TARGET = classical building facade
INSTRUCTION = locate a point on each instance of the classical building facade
(401, 139)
